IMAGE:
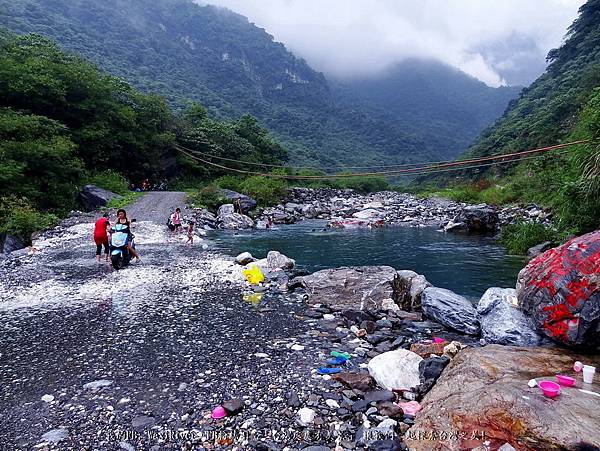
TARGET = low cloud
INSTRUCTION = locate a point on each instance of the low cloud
(497, 42)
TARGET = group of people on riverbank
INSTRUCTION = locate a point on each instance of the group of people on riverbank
(103, 230)
(146, 185)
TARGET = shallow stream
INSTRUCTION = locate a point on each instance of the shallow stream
(466, 264)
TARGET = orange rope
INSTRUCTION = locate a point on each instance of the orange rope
(413, 171)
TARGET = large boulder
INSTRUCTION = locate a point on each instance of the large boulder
(369, 288)
(225, 209)
(410, 288)
(485, 389)
(369, 213)
(205, 219)
(93, 197)
(280, 216)
(560, 291)
(292, 207)
(503, 322)
(394, 370)
(227, 219)
(308, 211)
(246, 202)
(10, 243)
(450, 309)
(477, 219)
(276, 260)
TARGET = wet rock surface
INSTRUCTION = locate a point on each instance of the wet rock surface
(485, 398)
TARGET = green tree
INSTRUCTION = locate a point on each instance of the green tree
(113, 126)
(37, 160)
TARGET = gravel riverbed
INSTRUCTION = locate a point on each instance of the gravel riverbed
(93, 358)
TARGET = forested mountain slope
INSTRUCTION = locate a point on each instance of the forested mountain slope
(451, 107)
(216, 57)
(548, 110)
(561, 106)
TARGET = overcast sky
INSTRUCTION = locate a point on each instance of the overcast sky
(497, 41)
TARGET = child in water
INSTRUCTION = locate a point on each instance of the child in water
(190, 233)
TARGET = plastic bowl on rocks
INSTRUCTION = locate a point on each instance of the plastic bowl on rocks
(567, 381)
(549, 388)
(218, 412)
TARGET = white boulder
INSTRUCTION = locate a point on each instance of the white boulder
(395, 369)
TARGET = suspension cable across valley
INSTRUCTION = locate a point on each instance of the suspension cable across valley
(457, 165)
(512, 157)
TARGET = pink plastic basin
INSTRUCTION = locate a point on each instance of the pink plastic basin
(549, 388)
(219, 412)
(567, 381)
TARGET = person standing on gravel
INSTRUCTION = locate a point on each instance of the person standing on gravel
(190, 233)
(176, 220)
(101, 236)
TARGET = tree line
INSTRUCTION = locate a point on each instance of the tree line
(64, 122)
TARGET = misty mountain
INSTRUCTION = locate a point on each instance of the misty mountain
(448, 105)
(211, 55)
(547, 111)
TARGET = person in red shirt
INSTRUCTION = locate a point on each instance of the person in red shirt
(101, 236)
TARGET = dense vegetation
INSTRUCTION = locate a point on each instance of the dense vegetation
(546, 112)
(64, 123)
(563, 105)
(520, 237)
(217, 58)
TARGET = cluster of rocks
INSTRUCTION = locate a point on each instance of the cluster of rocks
(412, 345)
(496, 317)
(226, 218)
(347, 208)
(393, 208)
(393, 362)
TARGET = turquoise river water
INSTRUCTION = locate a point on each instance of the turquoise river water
(466, 264)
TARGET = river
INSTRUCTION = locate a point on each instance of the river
(466, 264)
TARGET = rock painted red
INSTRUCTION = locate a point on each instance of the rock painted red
(560, 291)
